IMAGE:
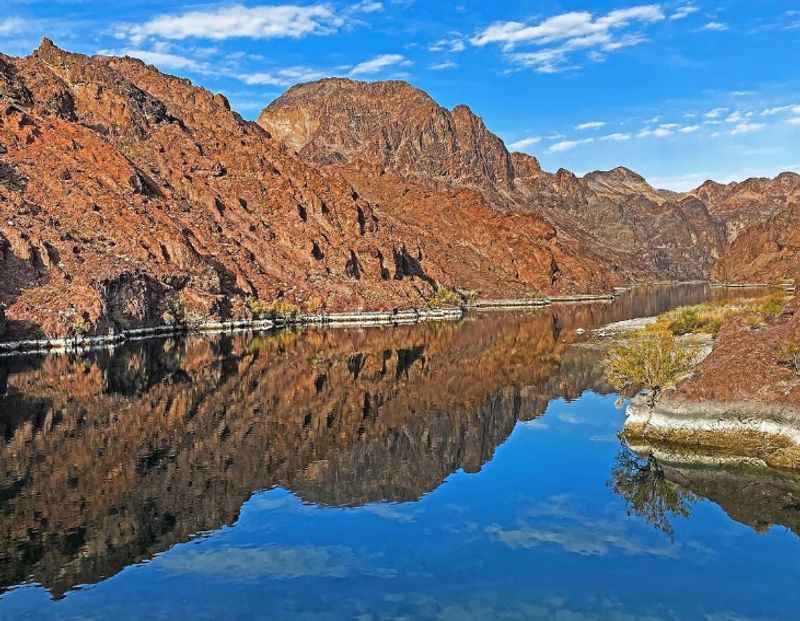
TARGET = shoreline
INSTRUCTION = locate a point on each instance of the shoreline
(58, 345)
(744, 430)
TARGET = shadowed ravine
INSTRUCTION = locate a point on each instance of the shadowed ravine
(110, 459)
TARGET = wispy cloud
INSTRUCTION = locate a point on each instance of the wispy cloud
(617, 137)
(793, 108)
(444, 66)
(163, 60)
(689, 129)
(13, 25)
(239, 21)
(453, 44)
(716, 113)
(283, 77)
(683, 11)
(794, 121)
(747, 128)
(591, 125)
(716, 26)
(379, 63)
(566, 34)
(569, 145)
(519, 145)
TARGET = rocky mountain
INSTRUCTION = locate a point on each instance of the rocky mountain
(641, 233)
(767, 251)
(126, 194)
(740, 205)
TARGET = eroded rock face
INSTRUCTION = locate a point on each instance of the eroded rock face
(124, 191)
(765, 252)
(371, 130)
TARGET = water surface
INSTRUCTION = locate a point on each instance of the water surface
(444, 471)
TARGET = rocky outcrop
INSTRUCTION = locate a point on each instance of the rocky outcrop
(743, 398)
(125, 193)
(765, 252)
(741, 205)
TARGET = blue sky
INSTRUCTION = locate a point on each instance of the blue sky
(680, 91)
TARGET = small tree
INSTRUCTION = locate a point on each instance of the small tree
(652, 359)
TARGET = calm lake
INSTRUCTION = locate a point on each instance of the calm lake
(448, 471)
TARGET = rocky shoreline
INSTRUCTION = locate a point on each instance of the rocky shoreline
(742, 397)
(767, 433)
(78, 343)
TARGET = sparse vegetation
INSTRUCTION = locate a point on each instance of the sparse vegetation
(788, 355)
(276, 309)
(652, 360)
(175, 312)
(444, 297)
(708, 318)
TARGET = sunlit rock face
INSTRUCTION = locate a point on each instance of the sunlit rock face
(124, 192)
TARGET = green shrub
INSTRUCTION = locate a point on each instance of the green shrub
(772, 305)
(654, 360)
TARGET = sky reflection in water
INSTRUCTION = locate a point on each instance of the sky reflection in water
(513, 514)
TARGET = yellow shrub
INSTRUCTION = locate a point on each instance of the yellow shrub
(651, 359)
(444, 297)
(276, 309)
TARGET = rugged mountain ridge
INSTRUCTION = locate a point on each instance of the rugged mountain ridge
(127, 194)
(642, 233)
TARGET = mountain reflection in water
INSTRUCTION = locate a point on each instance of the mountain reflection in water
(110, 459)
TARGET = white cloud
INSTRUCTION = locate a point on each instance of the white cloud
(380, 63)
(163, 60)
(716, 26)
(565, 26)
(617, 137)
(659, 132)
(12, 25)
(238, 21)
(570, 32)
(591, 125)
(689, 129)
(795, 109)
(454, 45)
(367, 7)
(568, 145)
(283, 77)
(443, 66)
(794, 121)
(747, 128)
(519, 145)
(716, 113)
(684, 11)
(734, 117)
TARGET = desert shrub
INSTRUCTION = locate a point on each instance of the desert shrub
(444, 297)
(175, 311)
(772, 305)
(703, 319)
(788, 355)
(651, 359)
(275, 309)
